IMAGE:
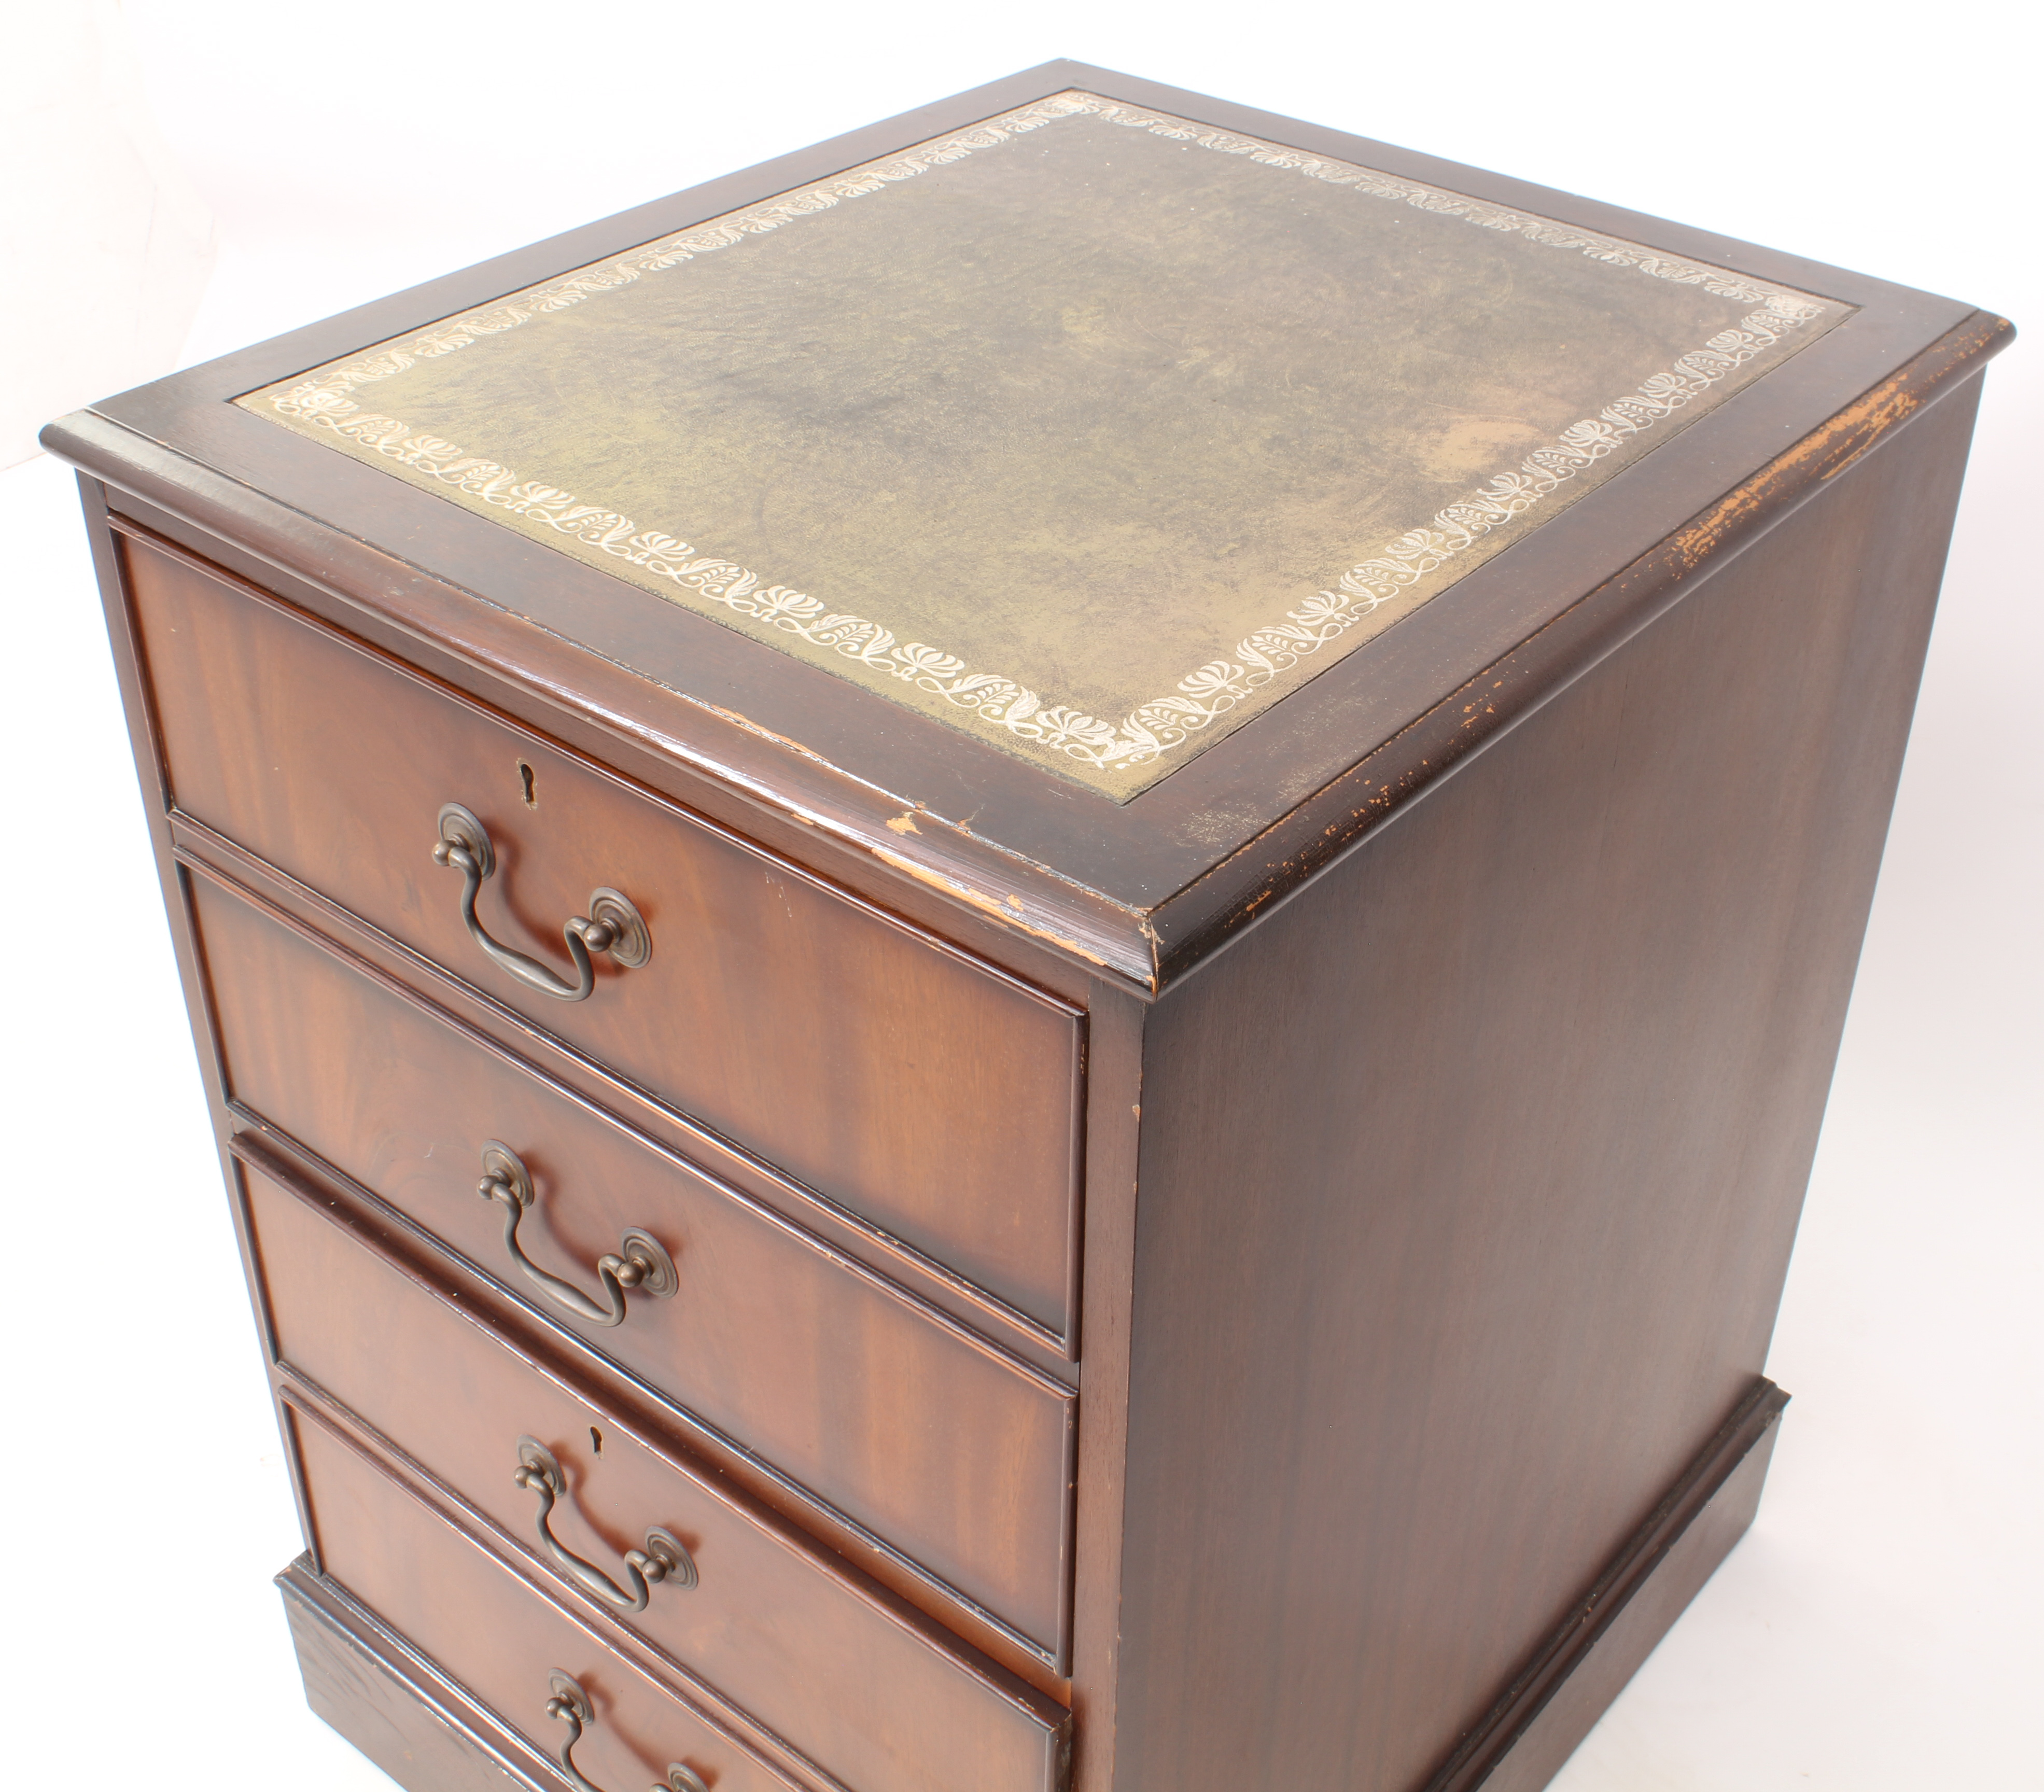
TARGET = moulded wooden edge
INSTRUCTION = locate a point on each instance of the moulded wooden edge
(1566, 1685)
(1144, 950)
(1190, 927)
(787, 834)
(711, 759)
(1142, 944)
(422, 1728)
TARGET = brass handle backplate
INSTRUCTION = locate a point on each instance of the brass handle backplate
(664, 1559)
(570, 1705)
(611, 926)
(640, 1260)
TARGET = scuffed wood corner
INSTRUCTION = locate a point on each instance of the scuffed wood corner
(1828, 450)
(1247, 886)
(1036, 921)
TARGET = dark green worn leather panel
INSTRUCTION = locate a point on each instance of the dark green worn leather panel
(1090, 431)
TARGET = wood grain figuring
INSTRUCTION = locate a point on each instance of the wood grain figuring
(937, 1098)
(845, 1675)
(500, 1640)
(1469, 1180)
(901, 1420)
(1459, 1030)
(201, 853)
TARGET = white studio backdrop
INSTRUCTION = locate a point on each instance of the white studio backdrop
(1876, 1633)
(109, 244)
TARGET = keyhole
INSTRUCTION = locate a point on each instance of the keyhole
(525, 779)
(596, 1440)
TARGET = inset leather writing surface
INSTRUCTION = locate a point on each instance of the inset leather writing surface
(1090, 430)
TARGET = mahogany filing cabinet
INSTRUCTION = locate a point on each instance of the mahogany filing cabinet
(1018, 945)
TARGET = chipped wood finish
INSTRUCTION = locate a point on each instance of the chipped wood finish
(1408, 1269)
(739, 733)
(1196, 923)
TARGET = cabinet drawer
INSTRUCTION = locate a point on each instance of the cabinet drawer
(882, 1698)
(956, 1454)
(928, 1093)
(501, 1640)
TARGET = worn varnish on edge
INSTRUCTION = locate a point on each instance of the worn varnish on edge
(1143, 907)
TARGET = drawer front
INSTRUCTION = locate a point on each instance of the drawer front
(932, 1095)
(955, 1454)
(499, 1638)
(884, 1701)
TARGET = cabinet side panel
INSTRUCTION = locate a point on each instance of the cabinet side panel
(1468, 1181)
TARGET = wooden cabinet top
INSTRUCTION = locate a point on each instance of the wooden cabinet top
(1097, 504)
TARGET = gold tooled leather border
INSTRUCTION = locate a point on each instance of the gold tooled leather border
(320, 400)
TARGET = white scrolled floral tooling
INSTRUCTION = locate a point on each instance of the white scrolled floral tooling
(1152, 729)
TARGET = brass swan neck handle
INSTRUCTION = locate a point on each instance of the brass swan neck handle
(613, 924)
(640, 1260)
(570, 1705)
(664, 1559)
